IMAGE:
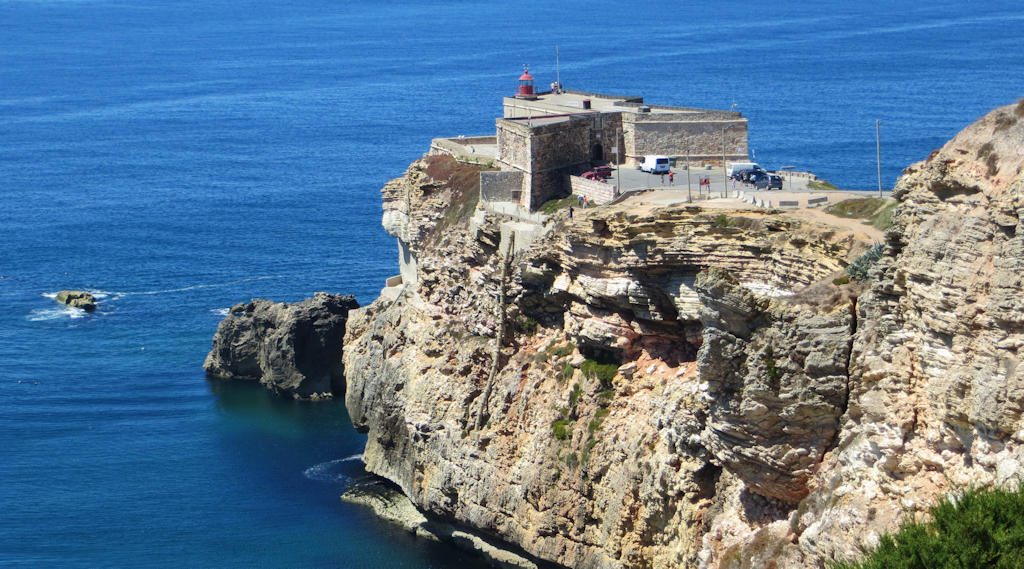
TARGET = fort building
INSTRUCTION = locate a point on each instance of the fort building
(543, 138)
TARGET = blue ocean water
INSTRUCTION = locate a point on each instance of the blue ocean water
(179, 157)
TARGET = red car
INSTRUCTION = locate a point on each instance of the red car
(593, 176)
(604, 171)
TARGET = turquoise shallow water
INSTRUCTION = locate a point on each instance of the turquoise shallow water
(179, 157)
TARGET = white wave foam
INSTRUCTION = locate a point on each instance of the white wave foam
(55, 313)
(221, 311)
(330, 471)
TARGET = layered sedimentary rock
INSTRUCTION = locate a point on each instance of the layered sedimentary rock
(292, 348)
(660, 397)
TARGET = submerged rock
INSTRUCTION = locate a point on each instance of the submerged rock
(77, 299)
(291, 348)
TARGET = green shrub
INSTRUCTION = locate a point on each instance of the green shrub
(859, 269)
(561, 428)
(841, 281)
(979, 528)
(773, 373)
(565, 350)
(566, 373)
(526, 325)
(574, 395)
(722, 220)
(604, 373)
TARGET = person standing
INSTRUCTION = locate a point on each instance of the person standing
(671, 178)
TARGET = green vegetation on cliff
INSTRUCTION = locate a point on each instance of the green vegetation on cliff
(979, 528)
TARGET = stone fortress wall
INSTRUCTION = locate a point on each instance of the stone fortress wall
(702, 137)
(545, 151)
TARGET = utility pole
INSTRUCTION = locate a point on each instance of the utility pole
(725, 176)
(618, 162)
(878, 155)
(689, 198)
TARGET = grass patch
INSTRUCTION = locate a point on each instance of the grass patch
(883, 219)
(877, 212)
(462, 181)
(551, 206)
(821, 186)
(979, 528)
(722, 220)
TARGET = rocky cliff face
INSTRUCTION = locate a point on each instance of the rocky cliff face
(661, 399)
(294, 349)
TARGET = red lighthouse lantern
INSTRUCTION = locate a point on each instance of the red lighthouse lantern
(525, 89)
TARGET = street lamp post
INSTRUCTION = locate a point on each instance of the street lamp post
(878, 156)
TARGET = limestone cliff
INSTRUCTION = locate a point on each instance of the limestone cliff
(294, 349)
(669, 391)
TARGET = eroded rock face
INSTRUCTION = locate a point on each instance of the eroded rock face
(577, 469)
(937, 393)
(294, 349)
(778, 384)
(739, 430)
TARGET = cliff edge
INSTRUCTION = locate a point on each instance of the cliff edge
(682, 387)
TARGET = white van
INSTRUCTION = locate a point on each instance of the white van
(737, 166)
(655, 164)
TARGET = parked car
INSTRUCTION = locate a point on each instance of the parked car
(768, 182)
(603, 171)
(591, 175)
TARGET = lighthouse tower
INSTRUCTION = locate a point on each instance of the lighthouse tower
(525, 88)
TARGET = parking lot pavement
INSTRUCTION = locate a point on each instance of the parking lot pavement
(630, 178)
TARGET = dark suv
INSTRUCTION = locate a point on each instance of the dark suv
(768, 182)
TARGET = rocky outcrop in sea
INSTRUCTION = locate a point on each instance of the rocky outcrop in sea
(292, 348)
(77, 299)
(682, 387)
